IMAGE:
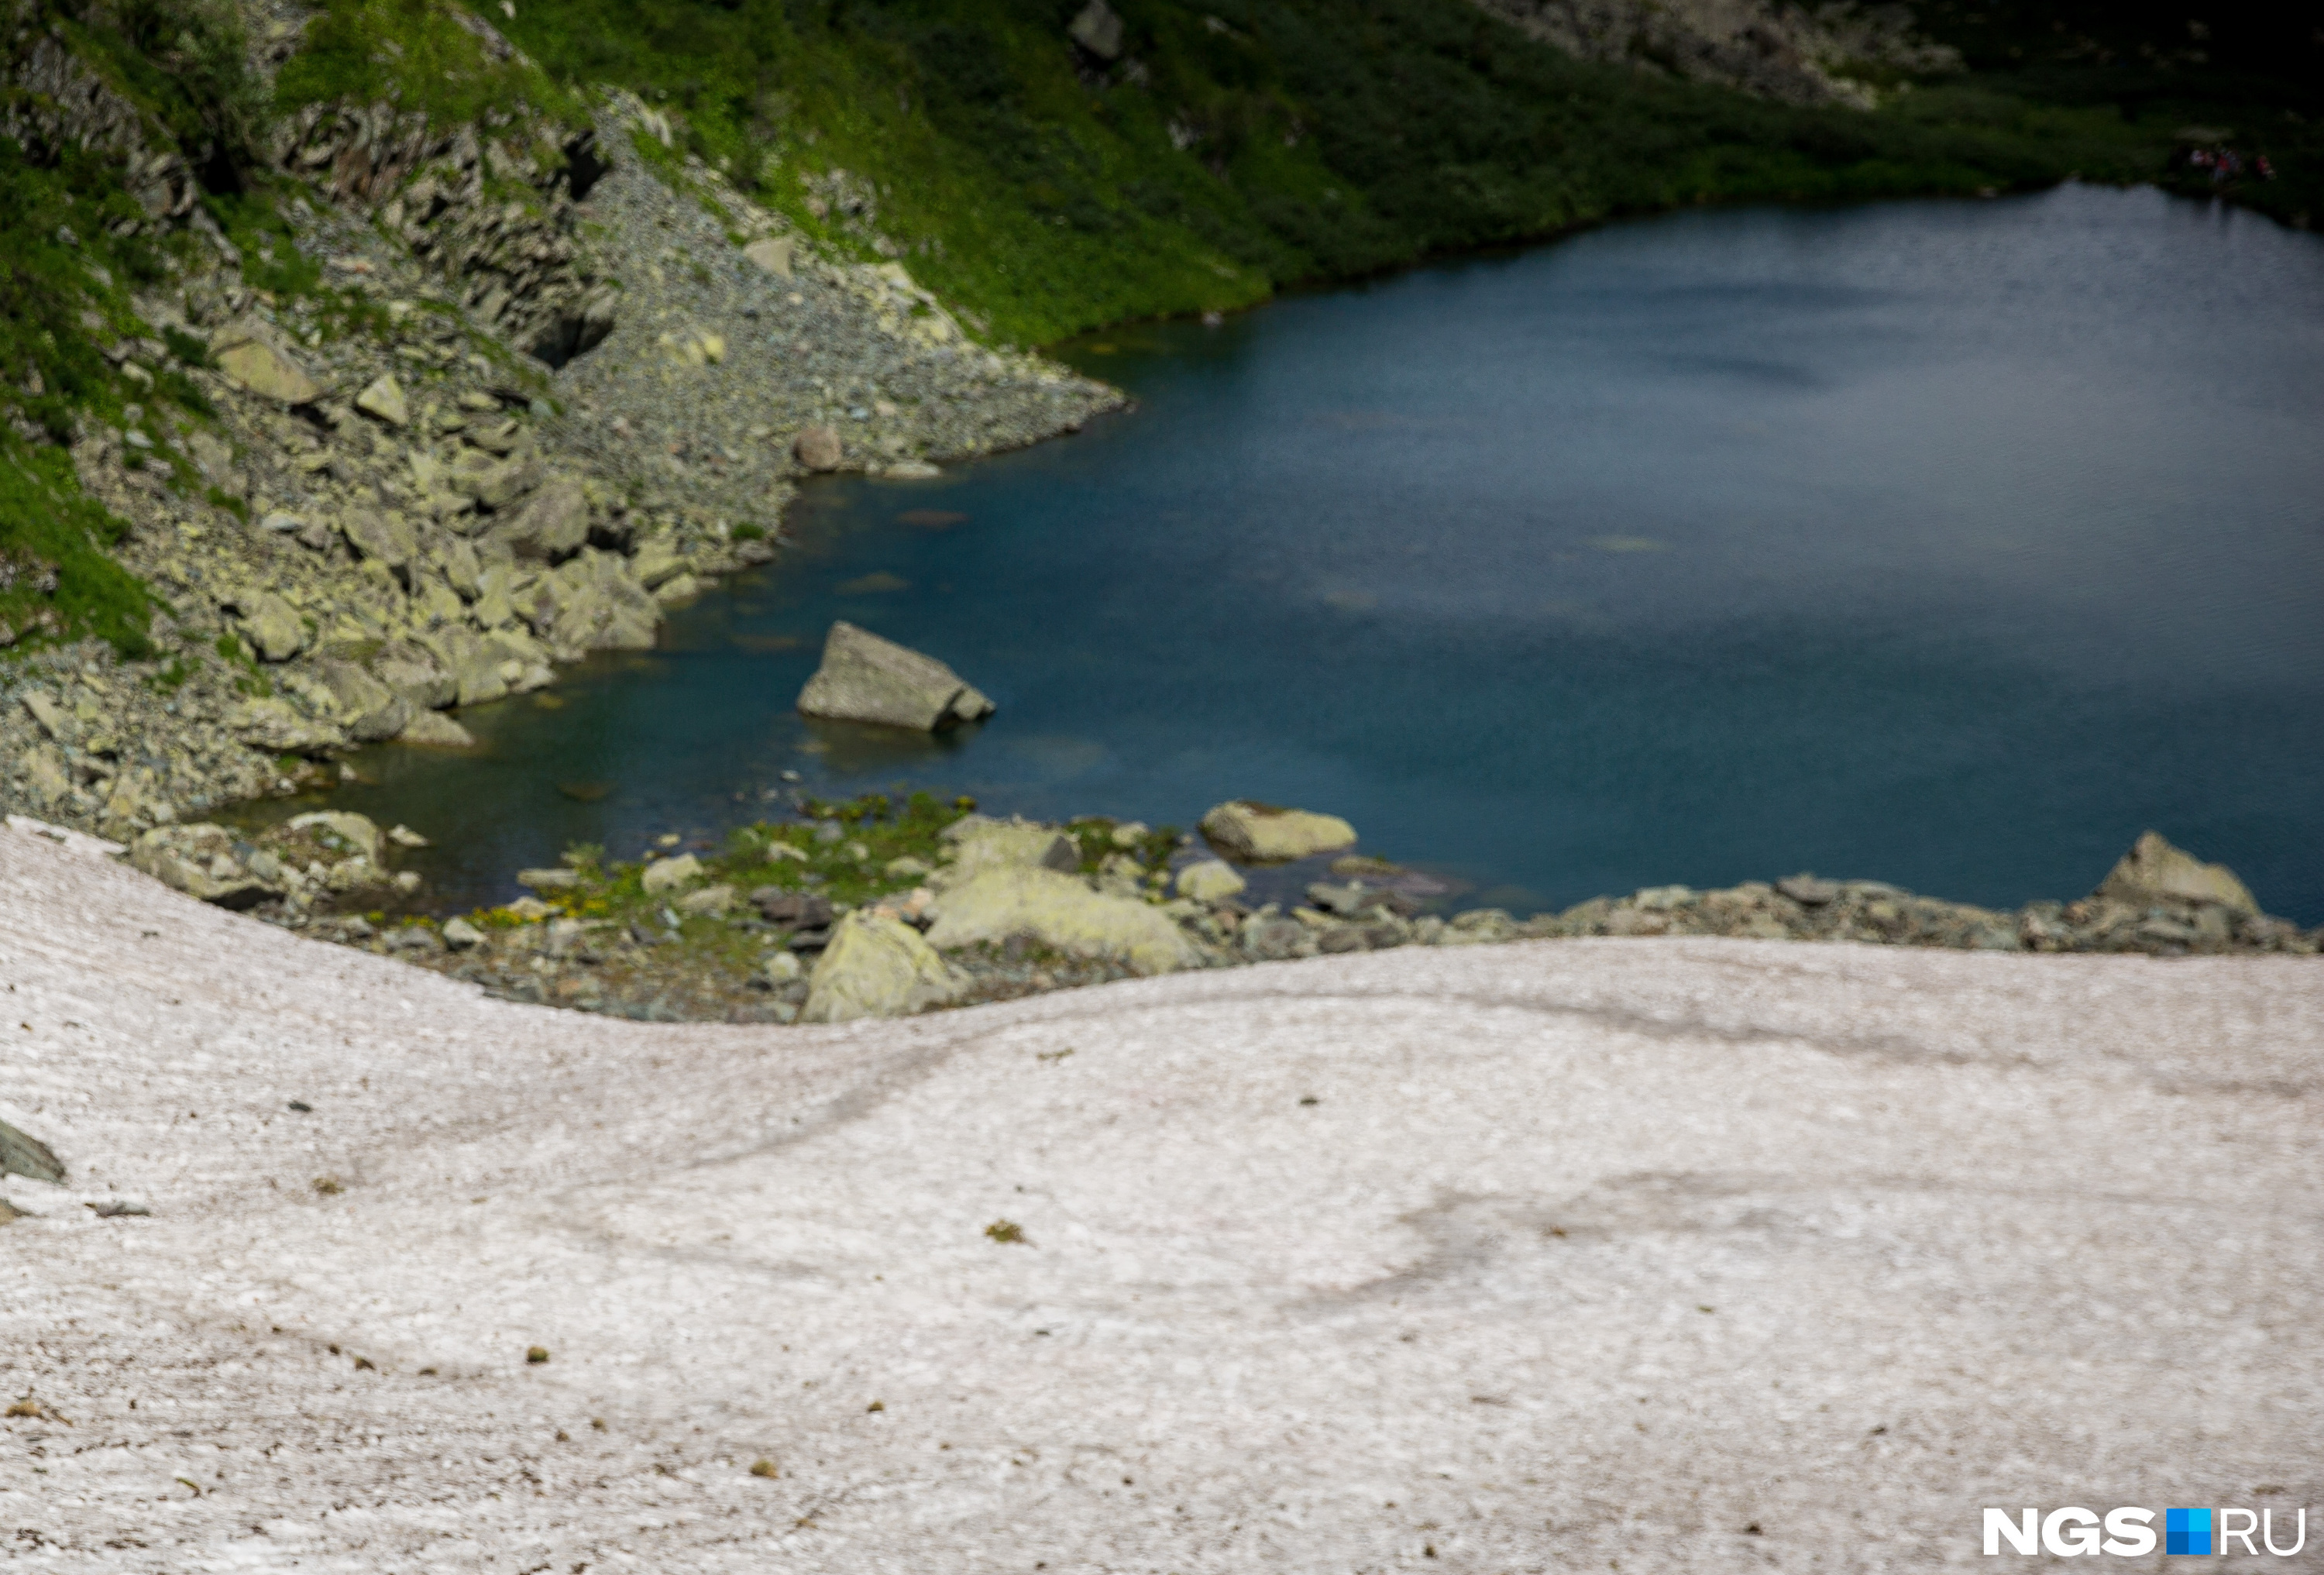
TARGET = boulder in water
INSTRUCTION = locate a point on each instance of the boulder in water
(866, 679)
(1265, 833)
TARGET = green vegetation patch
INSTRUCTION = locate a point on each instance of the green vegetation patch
(417, 55)
(1241, 146)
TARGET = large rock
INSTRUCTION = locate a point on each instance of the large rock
(866, 679)
(591, 602)
(381, 534)
(666, 875)
(773, 253)
(494, 482)
(1098, 29)
(368, 709)
(552, 525)
(1268, 833)
(414, 672)
(384, 399)
(2153, 872)
(21, 1153)
(978, 842)
(476, 670)
(201, 862)
(272, 625)
(359, 832)
(1061, 911)
(280, 728)
(818, 448)
(876, 966)
(1210, 880)
(247, 353)
(434, 730)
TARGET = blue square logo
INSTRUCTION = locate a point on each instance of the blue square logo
(2186, 1530)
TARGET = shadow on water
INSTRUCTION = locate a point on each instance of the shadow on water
(1949, 543)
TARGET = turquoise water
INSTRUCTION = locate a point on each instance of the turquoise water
(1952, 544)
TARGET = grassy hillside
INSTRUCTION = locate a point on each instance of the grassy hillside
(1241, 146)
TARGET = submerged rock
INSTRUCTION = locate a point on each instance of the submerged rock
(876, 966)
(1263, 833)
(433, 730)
(866, 679)
(2154, 870)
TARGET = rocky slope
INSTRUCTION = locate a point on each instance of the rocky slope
(516, 388)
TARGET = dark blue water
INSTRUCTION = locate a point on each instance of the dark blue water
(1952, 544)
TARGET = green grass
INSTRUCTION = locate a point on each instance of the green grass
(64, 289)
(413, 55)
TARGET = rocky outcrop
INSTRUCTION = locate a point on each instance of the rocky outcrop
(866, 679)
(876, 966)
(1265, 834)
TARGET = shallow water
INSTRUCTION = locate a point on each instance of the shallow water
(1952, 544)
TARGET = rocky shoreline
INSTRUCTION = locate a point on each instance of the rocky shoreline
(527, 396)
(874, 908)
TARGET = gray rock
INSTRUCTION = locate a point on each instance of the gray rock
(866, 679)
(272, 624)
(1210, 880)
(1098, 29)
(1255, 832)
(358, 832)
(669, 874)
(20, 1153)
(1808, 890)
(552, 525)
(2155, 871)
(818, 448)
(368, 709)
(277, 727)
(460, 936)
(876, 966)
(1062, 912)
(386, 536)
(384, 399)
(200, 861)
(434, 730)
(414, 672)
(476, 671)
(248, 353)
(493, 482)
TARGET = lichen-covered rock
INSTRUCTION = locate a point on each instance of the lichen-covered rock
(866, 679)
(271, 624)
(201, 860)
(1060, 911)
(1210, 880)
(494, 482)
(476, 671)
(1265, 834)
(21, 1153)
(670, 874)
(876, 966)
(978, 842)
(278, 727)
(2153, 872)
(247, 353)
(377, 533)
(434, 730)
(367, 708)
(552, 525)
(359, 834)
(383, 399)
(414, 672)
